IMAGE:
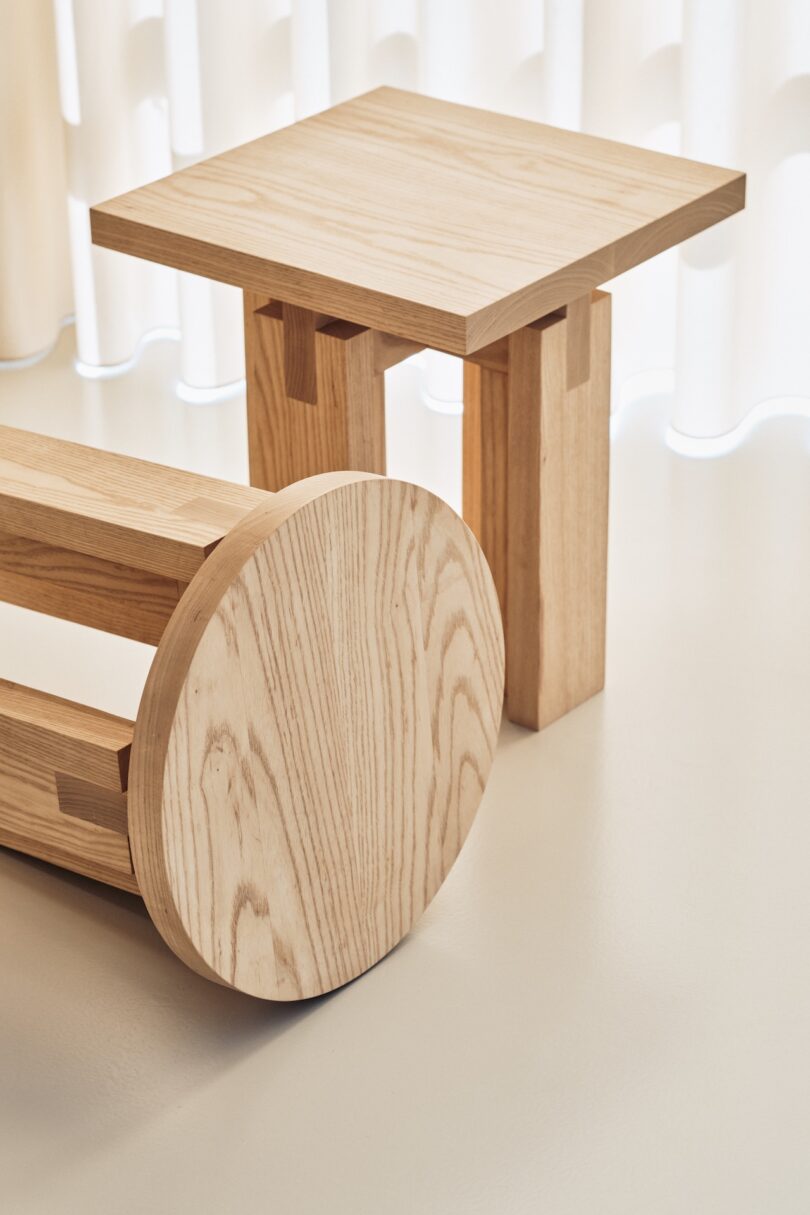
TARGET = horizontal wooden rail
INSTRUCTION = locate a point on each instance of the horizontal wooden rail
(87, 590)
(102, 539)
(148, 517)
(301, 325)
(63, 779)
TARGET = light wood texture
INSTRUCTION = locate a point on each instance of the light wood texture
(300, 378)
(484, 463)
(527, 411)
(315, 735)
(290, 439)
(45, 740)
(69, 737)
(485, 446)
(440, 223)
(81, 799)
(494, 357)
(390, 350)
(121, 510)
(536, 458)
(75, 586)
(578, 341)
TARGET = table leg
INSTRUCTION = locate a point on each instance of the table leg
(343, 428)
(536, 457)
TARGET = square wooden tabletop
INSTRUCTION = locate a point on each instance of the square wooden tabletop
(444, 224)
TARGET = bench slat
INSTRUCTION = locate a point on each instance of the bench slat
(147, 516)
(63, 777)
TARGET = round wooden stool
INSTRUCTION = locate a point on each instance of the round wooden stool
(313, 739)
(315, 735)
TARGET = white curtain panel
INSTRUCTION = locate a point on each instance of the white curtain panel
(147, 86)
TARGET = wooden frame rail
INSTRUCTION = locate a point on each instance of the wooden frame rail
(320, 715)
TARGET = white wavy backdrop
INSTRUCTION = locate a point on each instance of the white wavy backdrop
(96, 98)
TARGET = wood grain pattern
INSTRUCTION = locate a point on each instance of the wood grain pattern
(116, 508)
(574, 526)
(87, 590)
(390, 350)
(485, 451)
(294, 805)
(42, 736)
(484, 465)
(332, 214)
(288, 439)
(536, 457)
(578, 341)
(66, 736)
(82, 799)
(300, 378)
(524, 586)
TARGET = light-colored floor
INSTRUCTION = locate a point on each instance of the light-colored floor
(606, 1011)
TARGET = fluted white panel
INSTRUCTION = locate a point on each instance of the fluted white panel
(228, 79)
(350, 48)
(309, 50)
(563, 58)
(444, 24)
(631, 92)
(773, 253)
(442, 376)
(148, 86)
(394, 49)
(35, 286)
(116, 138)
(706, 383)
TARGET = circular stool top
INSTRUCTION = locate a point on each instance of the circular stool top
(315, 734)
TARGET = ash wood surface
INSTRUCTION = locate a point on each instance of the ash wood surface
(527, 410)
(315, 735)
(290, 439)
(87, 590)
(578, 341)
(437, 222)
(536, 460)
(300, 376)
(484, 465)
(45, 740)
(82, 799)
(390, 350)
(121, 510)
(67, 736)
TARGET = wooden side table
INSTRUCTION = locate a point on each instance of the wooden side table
(394, 222)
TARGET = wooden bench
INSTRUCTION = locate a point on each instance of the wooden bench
(317, 726)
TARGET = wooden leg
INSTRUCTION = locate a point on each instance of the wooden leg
(343, 427)
(536, 457)
(484, 465)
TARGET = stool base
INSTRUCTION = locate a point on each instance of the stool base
(535, 457)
